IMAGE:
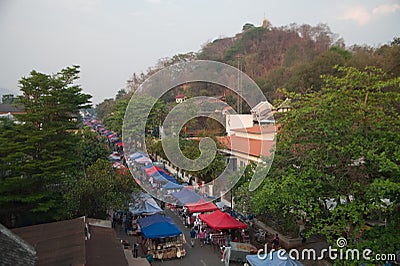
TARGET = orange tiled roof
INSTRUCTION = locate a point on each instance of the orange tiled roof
(254, 147)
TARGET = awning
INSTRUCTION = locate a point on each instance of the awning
(201, 206)
(186, 196)
(171, 185)
(158, 226)
(161, 176)
(143, 160)
(221, 220)
(144, 205)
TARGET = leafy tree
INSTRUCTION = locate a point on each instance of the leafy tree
(91, 148)
(104, 108)
(337, 159)
(103, 189)
(39, 155)
(396, 41)
(247, 26)
(115, 116)
(138, 117)
(120, 94)
(8, 98)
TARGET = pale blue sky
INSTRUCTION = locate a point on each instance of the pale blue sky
(112, 39)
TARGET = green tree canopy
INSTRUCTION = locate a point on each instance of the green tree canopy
(103, 189)
(38, 155)
(337, 163)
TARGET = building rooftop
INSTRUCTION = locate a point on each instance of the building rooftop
(6, 108)
(63, 243)
(254, 147)
(14, 250)
(58, 243)
(103, 247)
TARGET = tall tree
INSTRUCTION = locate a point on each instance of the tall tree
(39, 155)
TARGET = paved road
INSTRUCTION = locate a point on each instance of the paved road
(196, 256)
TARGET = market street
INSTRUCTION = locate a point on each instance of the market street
(196, 256)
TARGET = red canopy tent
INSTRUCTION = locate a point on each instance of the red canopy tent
(220, 220)
(201, 206)
(122, 144)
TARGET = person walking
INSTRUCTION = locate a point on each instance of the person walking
(275, 242)
(135, 250)
(202, 236)
(192, 236)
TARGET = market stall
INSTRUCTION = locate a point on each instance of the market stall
(162, 176)
(170, 187)
(201, 206)
(162, 237)
(186, 196)
(221, 222)
(143, 205)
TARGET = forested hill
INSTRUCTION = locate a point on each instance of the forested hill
(290, 58)
(294, 57)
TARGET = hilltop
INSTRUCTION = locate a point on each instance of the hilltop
(295, 56)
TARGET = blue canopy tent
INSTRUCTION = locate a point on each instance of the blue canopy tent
(171, 185)
(144, 205)
(158, 226)
(161, 176)
(276, 258)
(137, 155)
(186, 196)
(150, 165)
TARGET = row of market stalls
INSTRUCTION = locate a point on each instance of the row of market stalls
(190, 205)
(114, 142)
(159, 234)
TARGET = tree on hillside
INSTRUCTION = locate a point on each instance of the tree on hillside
(247, 26)
(120, 94)
(104, 108)
(114, 117)
(38, 155)
(337, 163)
(139, 121)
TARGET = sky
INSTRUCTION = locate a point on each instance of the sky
(110, 40)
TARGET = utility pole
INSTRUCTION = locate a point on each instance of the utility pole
(239, 85)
